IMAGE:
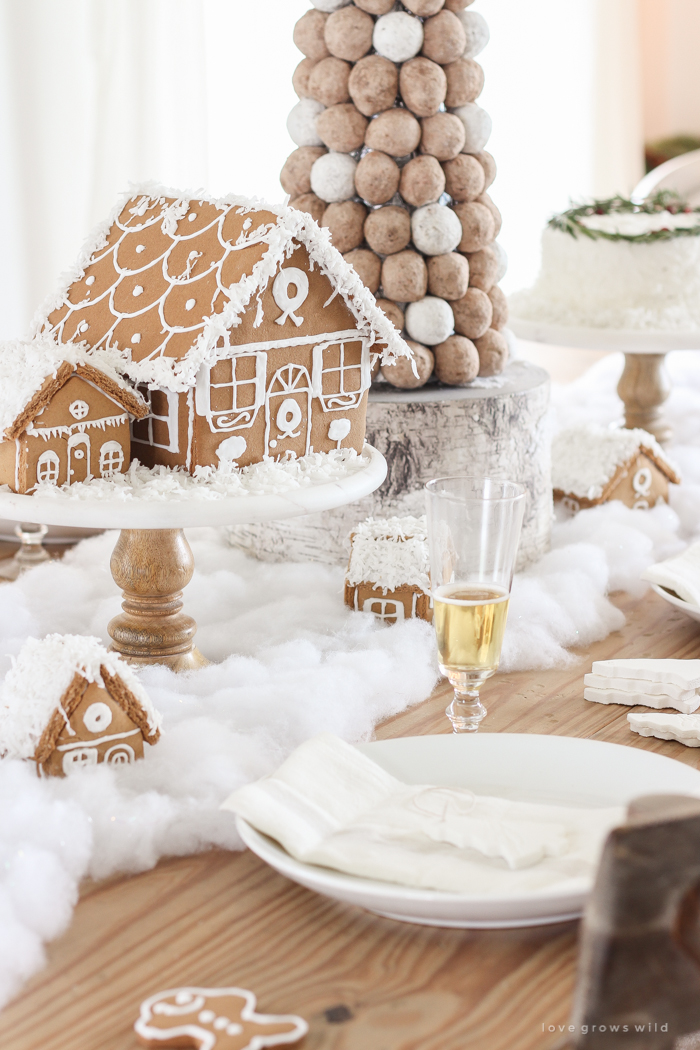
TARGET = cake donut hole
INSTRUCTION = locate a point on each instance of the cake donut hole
(333, 177)
(473, 313)
(375, 7)
(424, 8)
(422, 181)
(444, 38)
(488, 203)
(342, 128)
(377, 178)
(404, 277)
(311, 204)
(436, 230)
(500, 308)
(477, 126)
(464, 178)
(456, 361)
(442, 136)
(401, 373)
(430, 320)
(301, 76)
(477, 222)
(465, 82)
(398, 36)
(423, 86)
(348, 33)
(373, 84)
(476, 32)
(328, 81)
(388, 230)
(493, 353)
(367, 265)
(489, 165)
(396, 132)
(457, 5)
(301, 122)
(448, 276)
(309, 34)
(393, 311)
(296, 173)
(483, 268)
(346, 221)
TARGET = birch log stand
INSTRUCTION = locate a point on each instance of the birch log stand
(152, 562)
(497, 429)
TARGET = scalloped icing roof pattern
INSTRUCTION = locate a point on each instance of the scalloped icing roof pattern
(183, 269)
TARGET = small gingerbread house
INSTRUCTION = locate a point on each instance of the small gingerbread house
(388, 570)
(245, 330)
(592, 464)
(64, 414)
(68, 702)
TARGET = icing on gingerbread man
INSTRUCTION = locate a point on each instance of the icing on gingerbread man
(213, 1019)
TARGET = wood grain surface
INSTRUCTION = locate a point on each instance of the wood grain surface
(362, 982)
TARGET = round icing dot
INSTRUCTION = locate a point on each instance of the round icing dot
(222, 1022)
(138, 290)
(190, 303)
(206, 1016)
(79, 409)
(192, 216)
(273, 443)
(97, 717)
(234, 1029)
(136, 337)
(339, 429)
(83, 326)
(140, 248)
(181, 998)
(231, 448)
(247, 224)
(90, 279)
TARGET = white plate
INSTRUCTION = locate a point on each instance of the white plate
(693, 611)
(554, 769)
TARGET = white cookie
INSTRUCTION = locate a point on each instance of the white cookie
(684, 728)
(683, 673)
(655, 700)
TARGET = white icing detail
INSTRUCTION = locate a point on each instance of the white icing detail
(138, 290)
(290, 379)
(389, 609)
(273, 443)
(74, 441)
(288, 418)
(190, 428)
(90, 280)
(120, 755)
(192, 216)
(48, 466)
(642, 481)
(247, 224)
(235, 418)
(79, 454)
(136, 337)
(77, 758)
(352, 380)
(231, 449)
(641, 504)
(234, 1029)
(17, 457)
(189, 305)
(290, 276)
(171, 421)
(222, 1022)
(94, 743)
(111, 459)
(202, 391)
(83, 327)
(185, 1003)
(97, 717)
(140, 248)
(206, 1016)
(339, 429)
(79, 409)
(81, 427)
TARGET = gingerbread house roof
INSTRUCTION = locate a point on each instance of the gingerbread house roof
(190, 265)
(32, 371)
(390, 553)
(586, 459)
(39, 692)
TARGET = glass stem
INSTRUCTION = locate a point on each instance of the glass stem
(466, 710)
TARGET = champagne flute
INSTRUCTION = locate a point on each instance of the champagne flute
(473, 532)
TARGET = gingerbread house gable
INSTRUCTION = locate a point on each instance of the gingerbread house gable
(68, 702)
(388, 569)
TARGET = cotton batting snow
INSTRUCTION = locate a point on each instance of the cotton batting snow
(292, 661)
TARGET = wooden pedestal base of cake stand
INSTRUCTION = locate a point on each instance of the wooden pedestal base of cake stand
(152, 562)
(644, 384)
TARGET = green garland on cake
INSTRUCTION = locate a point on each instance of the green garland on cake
(665, 200)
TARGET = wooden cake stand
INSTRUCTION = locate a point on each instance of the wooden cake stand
(644, 384)
(152, 562)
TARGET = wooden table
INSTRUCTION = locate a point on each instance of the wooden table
(362, 982)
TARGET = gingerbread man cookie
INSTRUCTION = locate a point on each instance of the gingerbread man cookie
(213, 1019)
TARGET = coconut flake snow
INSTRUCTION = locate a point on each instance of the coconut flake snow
(390, 553)
(586, 458)
(40, 675)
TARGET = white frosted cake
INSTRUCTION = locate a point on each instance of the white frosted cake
(617, 264)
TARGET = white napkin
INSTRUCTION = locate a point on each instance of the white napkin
(680, 574)
(329, 804)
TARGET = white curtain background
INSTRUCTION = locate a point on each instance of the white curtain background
(95, 94)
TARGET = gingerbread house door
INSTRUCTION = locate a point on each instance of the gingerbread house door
(288, 412)
(78, 458)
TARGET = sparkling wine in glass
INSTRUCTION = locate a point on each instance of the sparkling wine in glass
(473, 532)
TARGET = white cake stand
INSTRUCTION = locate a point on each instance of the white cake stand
(152, 561)
(644, 384)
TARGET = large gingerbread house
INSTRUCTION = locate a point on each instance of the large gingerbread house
(68, 703)
(244, 329)
(64, 414)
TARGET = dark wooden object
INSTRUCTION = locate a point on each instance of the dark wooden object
(639, 967)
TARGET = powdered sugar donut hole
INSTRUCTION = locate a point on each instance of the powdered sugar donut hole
(501, 262)
(436, 231)
(477, 32)
(301, 122)
(398, 36)
(430, 320)
(296, 173)
(333, 177)
(329, 5)
(477, 126)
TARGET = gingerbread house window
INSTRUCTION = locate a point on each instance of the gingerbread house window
(111, 459)
(337, 382)
(47, 467)
(230, 393)
(160, 427)
(388, 610)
